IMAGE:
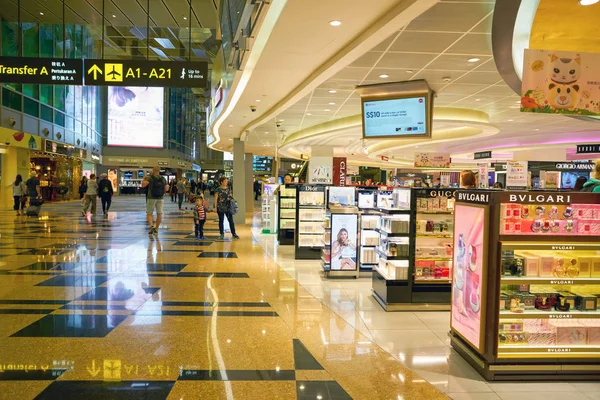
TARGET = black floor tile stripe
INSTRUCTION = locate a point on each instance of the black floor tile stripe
(303, 360)
(204, 313)
(97, 390)
(64, 325)
(215, 274)
(237, 375)
(218, 254)
(23, 311)
(28, 301)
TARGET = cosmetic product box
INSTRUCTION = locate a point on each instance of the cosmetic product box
(571, 335)
(397, 226)
(531, 266)
(593, 338)
(551, 297)
(586, 302)
(509, 325)
(401, 273)
(546, 267)
(528, 301)
(521, 288)
(583, 211)
(569, 298)
(510, 266)
(429, 204)
(504, 301)
(443, 203)
(595, 267)
(585, 267)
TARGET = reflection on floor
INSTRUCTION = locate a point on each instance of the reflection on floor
(95, 308)
(417, 339)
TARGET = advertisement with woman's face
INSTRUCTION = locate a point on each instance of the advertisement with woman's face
(343, 242)
(112, 177)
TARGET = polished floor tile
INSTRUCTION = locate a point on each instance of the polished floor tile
(219, 254)
(107, 390)
(75, 280)
(71, 325)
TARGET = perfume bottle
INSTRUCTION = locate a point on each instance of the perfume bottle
(540, 211)
(568, 213)
(525, 212)
(553, 212)
(562, 305)
(461, 246)
(541, 303)
(472, 258)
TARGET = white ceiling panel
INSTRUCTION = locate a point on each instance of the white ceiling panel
(353, 73)
(481, 78)
(368, 60)
(424, 42)
(451, 17)
(455, 63)
(405, 60)
(473, 43)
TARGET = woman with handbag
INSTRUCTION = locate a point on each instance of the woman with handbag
(19, 194)
(226, 206)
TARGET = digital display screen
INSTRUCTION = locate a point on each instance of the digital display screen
(568, 178)
(135, 116)
(396, 117)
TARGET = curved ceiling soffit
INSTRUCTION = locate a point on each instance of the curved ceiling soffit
(511, 30)
(400, 15)
(453, 124)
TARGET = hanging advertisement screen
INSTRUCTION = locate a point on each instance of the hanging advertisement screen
(344, 234)
(397, 110)
(135, 116)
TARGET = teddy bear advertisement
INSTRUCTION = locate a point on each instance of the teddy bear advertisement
(561, 82)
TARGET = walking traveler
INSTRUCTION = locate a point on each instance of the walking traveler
(223, 202)
(19, 194)
(157, 187)
(105, 191)
(90, 196)
(180, 192)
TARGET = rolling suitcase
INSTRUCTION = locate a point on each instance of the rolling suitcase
(33, 211)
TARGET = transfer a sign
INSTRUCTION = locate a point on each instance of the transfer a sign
(45, 71)
(145, 73)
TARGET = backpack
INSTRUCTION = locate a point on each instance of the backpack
(157, 189)
(104, 187)
(589, 188)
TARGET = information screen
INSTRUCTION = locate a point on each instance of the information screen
(396, 117)
(135, 116)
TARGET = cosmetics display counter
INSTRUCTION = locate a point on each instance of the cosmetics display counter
(526, 284)
(269, 208)
(287, 214)
(414, 250)
(310, 212)
(369, 238)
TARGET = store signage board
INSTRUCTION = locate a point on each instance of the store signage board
(588, 148)
(516, 175)
(482, 176)
(320, 170)
(561, 82)
(480, 155)
(469, 274)
(45, 71)
(145, 73)
(432, 160)
(580, 166)
(339, 171)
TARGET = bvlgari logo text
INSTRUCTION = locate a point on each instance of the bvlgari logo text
(442, 193)
(479, 197)
(540, 198)
(563, 247)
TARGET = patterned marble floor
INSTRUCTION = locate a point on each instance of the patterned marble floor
(95, 308)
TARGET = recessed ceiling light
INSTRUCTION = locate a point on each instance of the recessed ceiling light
(588, 2)
(281, 120)
(114, 16)
(266, 132)
(409, 71)
(231, 126)
(308, 114)
(185, 18)
(473, 60)
(510, 120)
(332, 103)
(258, 100)
(519, 102)
(333, 91)
(327, 109)
(384, 76)
(477, 99)
(536, 129)
(41, 13)
(335, 22)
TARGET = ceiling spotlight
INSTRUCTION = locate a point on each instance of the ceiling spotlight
(114, 16)
(384, 76)
(266, 132)
(587, 2)
(536, 129)
(333, 91)
(332, 103)
(446, 79)
(231, 126)
(335, 22)
(308, 114)
(510, 120)
(519, 102)
(327, 109)
(258, 100)
(281, 120)
(477, 99)
(409, 71)
(41, 13)
(473, 60)
(185, 18)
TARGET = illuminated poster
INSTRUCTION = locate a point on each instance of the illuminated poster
(468, 301)
(112, 177)
(135, 116)
(561, 82)
(395, 117)
(344, 229)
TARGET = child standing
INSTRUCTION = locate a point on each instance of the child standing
(199, 217)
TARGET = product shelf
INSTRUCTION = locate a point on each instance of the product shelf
(390, 234)
(437, 235)
(389, 257)
(432, 281)
(385, 275)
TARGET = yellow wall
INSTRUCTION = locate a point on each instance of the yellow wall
(14, 161)
(565, 25)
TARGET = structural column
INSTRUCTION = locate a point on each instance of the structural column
(239, 181)
(249, 186)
